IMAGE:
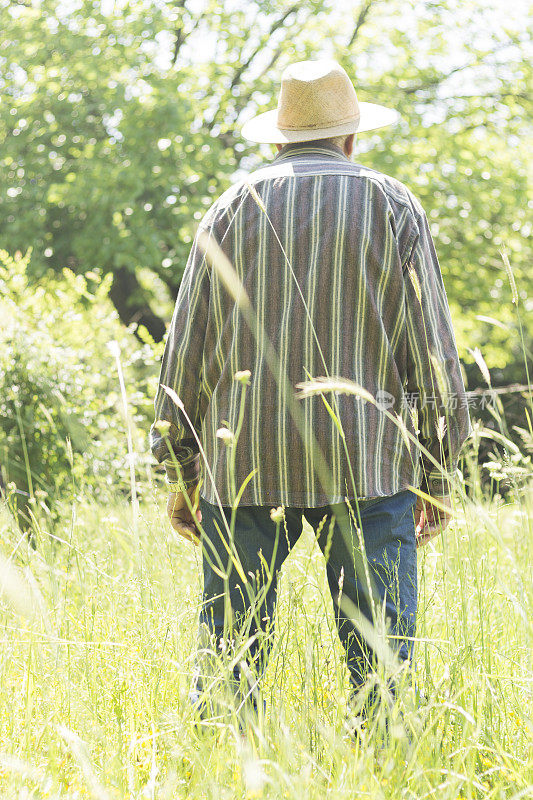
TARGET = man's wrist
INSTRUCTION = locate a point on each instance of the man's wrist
(188, 470)
(437, 484)
(179, 486)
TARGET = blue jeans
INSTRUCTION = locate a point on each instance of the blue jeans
(231, 604)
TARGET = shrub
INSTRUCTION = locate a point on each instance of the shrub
(62, 427)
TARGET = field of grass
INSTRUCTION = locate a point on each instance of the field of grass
(98, 638)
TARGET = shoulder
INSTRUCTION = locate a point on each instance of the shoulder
(223, 204)
(399, 197)
(396, 192)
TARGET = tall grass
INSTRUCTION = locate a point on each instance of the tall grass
(96, 667)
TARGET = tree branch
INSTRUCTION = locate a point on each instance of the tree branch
(179, 32)
(363, 13)
(443, 77)
(273, 28)
(245, 98)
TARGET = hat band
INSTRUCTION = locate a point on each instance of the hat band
(320, 125)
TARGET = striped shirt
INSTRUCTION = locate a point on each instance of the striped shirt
(339, 266)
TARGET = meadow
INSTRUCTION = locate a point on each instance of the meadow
(98, 634)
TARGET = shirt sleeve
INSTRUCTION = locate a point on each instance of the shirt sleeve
(172, 439)
(434, 373)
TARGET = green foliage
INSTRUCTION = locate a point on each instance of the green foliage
(62, 427)
(95, 682)
(120, 124)
(103, 166)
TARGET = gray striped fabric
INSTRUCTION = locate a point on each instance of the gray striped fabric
(347, 251)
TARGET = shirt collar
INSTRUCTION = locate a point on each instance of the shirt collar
(305, 149)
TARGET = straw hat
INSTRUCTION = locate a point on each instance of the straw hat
(317, 100)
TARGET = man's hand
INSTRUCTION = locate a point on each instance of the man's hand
(181, 519)
(429, 519)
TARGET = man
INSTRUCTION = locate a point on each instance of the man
(332, 274)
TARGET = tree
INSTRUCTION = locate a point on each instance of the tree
(120, 124)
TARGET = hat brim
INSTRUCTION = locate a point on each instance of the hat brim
(263, 128)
